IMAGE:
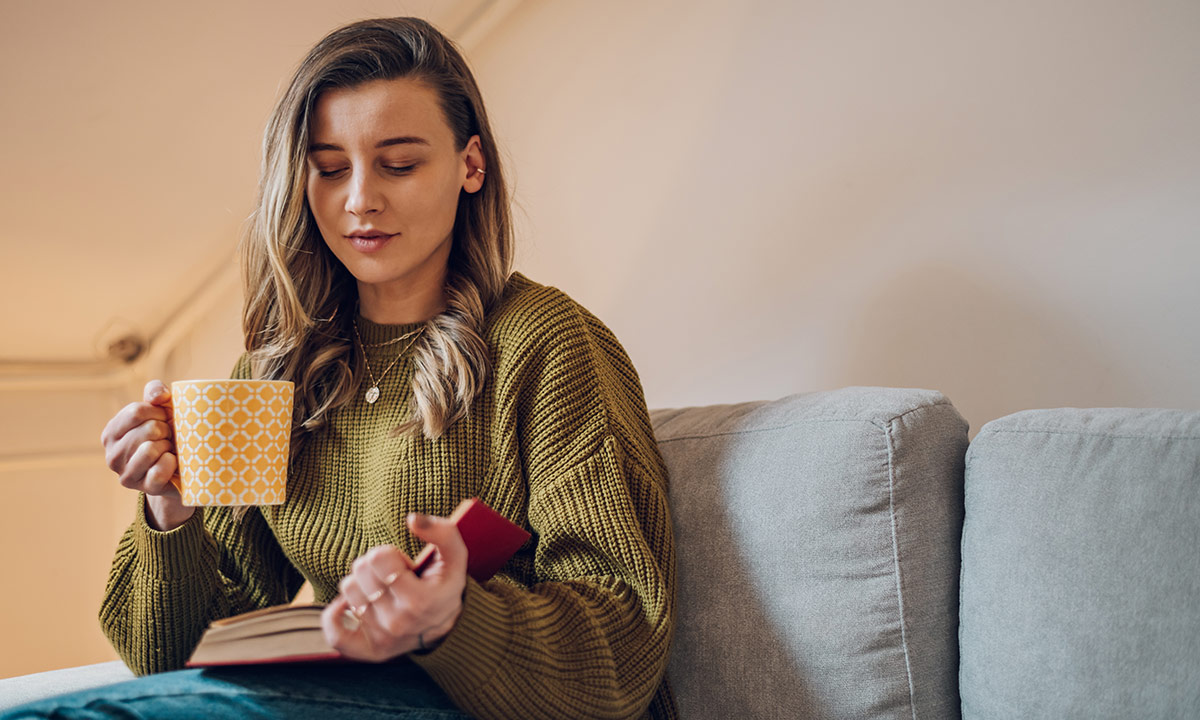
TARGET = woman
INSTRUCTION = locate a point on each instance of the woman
(377, 278)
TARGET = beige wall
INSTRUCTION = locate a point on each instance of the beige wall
(60, 521)
(995, 200)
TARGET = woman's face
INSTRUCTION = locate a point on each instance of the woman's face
(384, 179)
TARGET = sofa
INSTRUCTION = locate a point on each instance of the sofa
(849, 554)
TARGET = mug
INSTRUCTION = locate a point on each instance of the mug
(231, 440)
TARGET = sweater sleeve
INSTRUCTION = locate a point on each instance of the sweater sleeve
(590, 637)
(166, 587)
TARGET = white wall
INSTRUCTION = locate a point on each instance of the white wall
(1000, 201)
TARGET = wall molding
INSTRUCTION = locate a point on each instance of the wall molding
(108, 375)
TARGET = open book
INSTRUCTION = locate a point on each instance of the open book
(292, 633)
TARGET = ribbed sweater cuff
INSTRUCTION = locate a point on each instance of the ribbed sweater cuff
(173, 554)
(473, 651)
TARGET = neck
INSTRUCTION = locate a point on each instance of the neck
(399, 306)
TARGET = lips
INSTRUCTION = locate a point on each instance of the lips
(369, 241)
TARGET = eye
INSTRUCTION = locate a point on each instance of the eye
(399, 169)
(331, 173)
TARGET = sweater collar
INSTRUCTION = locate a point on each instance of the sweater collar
(373, 333)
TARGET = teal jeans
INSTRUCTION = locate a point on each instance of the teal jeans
(257, 692)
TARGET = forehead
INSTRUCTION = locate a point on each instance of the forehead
(379, 109)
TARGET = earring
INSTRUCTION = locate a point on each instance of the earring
(480, 171)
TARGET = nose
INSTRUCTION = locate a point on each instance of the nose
(362, 196)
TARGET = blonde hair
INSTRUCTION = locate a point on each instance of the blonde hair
(300, 300)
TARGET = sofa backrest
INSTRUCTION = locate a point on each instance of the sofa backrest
(817, 543)
(1081, 566)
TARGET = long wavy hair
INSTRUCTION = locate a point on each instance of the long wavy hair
(300, 300)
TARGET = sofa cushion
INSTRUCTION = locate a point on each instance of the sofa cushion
(1081, 566)
(817, 543)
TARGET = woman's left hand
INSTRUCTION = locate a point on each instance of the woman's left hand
(385, 610)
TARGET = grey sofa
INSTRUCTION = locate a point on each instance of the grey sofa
(846, 554)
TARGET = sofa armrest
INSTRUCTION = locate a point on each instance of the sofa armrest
(28, 688)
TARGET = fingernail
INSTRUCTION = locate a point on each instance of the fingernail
(391, 578)
(374, 596)
(350, 621)
(419, 520)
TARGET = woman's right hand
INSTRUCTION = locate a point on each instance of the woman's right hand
(139, 446)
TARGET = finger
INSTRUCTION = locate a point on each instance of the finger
(372, 621)
(143, 458)
(156, 392)
(378, 569)
(152, 429)
(371, 585)
(158, 477)
(130, 417)
(350, 636)
(406, 594)
(355, 596)
(444, 536)
(338, 623)
(119, 454)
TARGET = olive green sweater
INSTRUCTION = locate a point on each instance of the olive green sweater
(578, 624)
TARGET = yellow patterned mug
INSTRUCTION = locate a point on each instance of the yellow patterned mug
(232, 439)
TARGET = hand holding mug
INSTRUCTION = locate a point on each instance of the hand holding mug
(139, 445)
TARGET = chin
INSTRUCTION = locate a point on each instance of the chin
(386, 275)
(403, 270)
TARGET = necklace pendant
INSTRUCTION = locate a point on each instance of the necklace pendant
(373, 395)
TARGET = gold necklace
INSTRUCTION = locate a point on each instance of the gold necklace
(372, 393)
(393, 341)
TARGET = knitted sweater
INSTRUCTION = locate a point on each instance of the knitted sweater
(578, 624)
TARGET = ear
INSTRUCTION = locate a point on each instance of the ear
(473, 162)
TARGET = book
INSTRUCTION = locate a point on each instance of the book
(292, 633)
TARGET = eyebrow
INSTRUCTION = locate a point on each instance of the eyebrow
(402, 140)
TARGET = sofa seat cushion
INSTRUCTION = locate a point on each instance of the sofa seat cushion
(1081, 566)
(817, 543)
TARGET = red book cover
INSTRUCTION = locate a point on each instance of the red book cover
(491, 539)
